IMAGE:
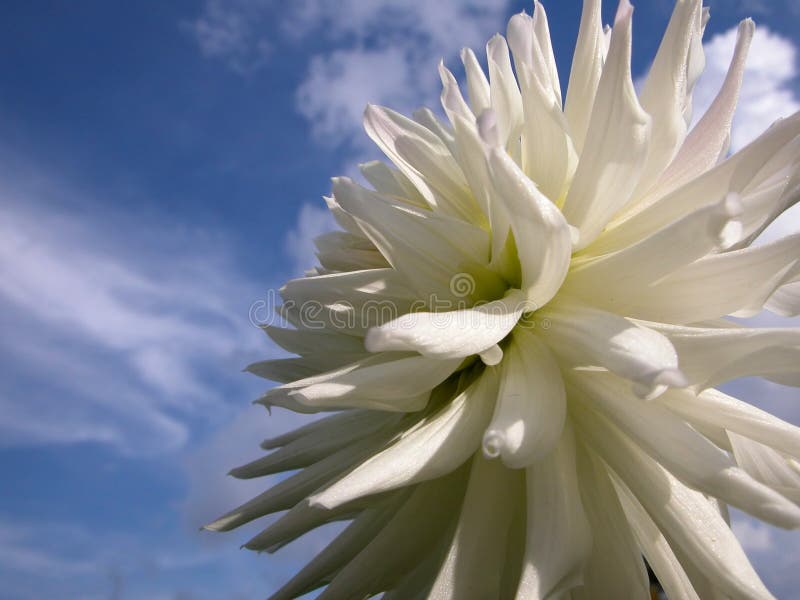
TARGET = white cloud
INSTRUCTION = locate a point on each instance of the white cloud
(228, 30)
(386, 53)
(767, 86)
(753, 535)
(299, 245)
(338, 86)
(379, 51)
(109, 335)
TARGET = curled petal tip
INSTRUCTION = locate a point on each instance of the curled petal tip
(376, 340)
(726, 227)
(574, 236)
(493, 442)
(652, 387)
(492, 356)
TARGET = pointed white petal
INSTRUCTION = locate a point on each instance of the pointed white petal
(354, 287)
(543, 237)
(615, 568)
(693, 524)
(586, 337)
(472, 158)
(434, 447)
(476, 557)
(393, 382)
(785, 301)
(477, 84)
(506, 99)
(391, 182)
(339, 552)
(323, 426)
(451, 334)
(684, 452)
(531, 405)
(766, 465)
(675, 245)
(716, 409)
(711, 356)
(548, 156)
(414, 531)
(745, 173)
(427, 249)
(587, 67)
(656, 548)
(709, 138)
(294, 489)
(422, 157)
(312, 448)
(425, 117)
(667, 88)
(616, 141)
(739, 281)
(452, 100)
(544, 46)
(559, 539)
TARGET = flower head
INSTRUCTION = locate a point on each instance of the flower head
(519, 328)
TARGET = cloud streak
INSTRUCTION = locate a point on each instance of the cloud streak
(110, 337)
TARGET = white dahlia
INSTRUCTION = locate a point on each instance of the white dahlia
(519, 328)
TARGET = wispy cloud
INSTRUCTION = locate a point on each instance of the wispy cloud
(229, 31)
(379, 51)
(312, 221)
(110, 335)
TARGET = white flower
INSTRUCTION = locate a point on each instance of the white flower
(520, 326)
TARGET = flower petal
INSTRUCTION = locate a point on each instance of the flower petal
(584, 77)
(506, 99)
(615, 568)
(548, 156)
(676, 245)
(339, 552)
(450, 334)
(716, 409)
(667, 89)
(391, 182)
(766, 465)
(393, 382)
(559, 539)
(531, 404)
(587, 337)
(434, 447)
(714, 355)
(292, 490)
(681, 450)
(543, 237)
(655, 547)
(694, 526)
(309, 449)
(477, 84)
(709, 139)
(739, 282)
(423, 158)
(616, 141)
(474, 563)
(427, 249)
(769, 157)
(785, 301)
(414, 530)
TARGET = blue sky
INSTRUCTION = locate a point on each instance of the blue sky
(161, 170)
